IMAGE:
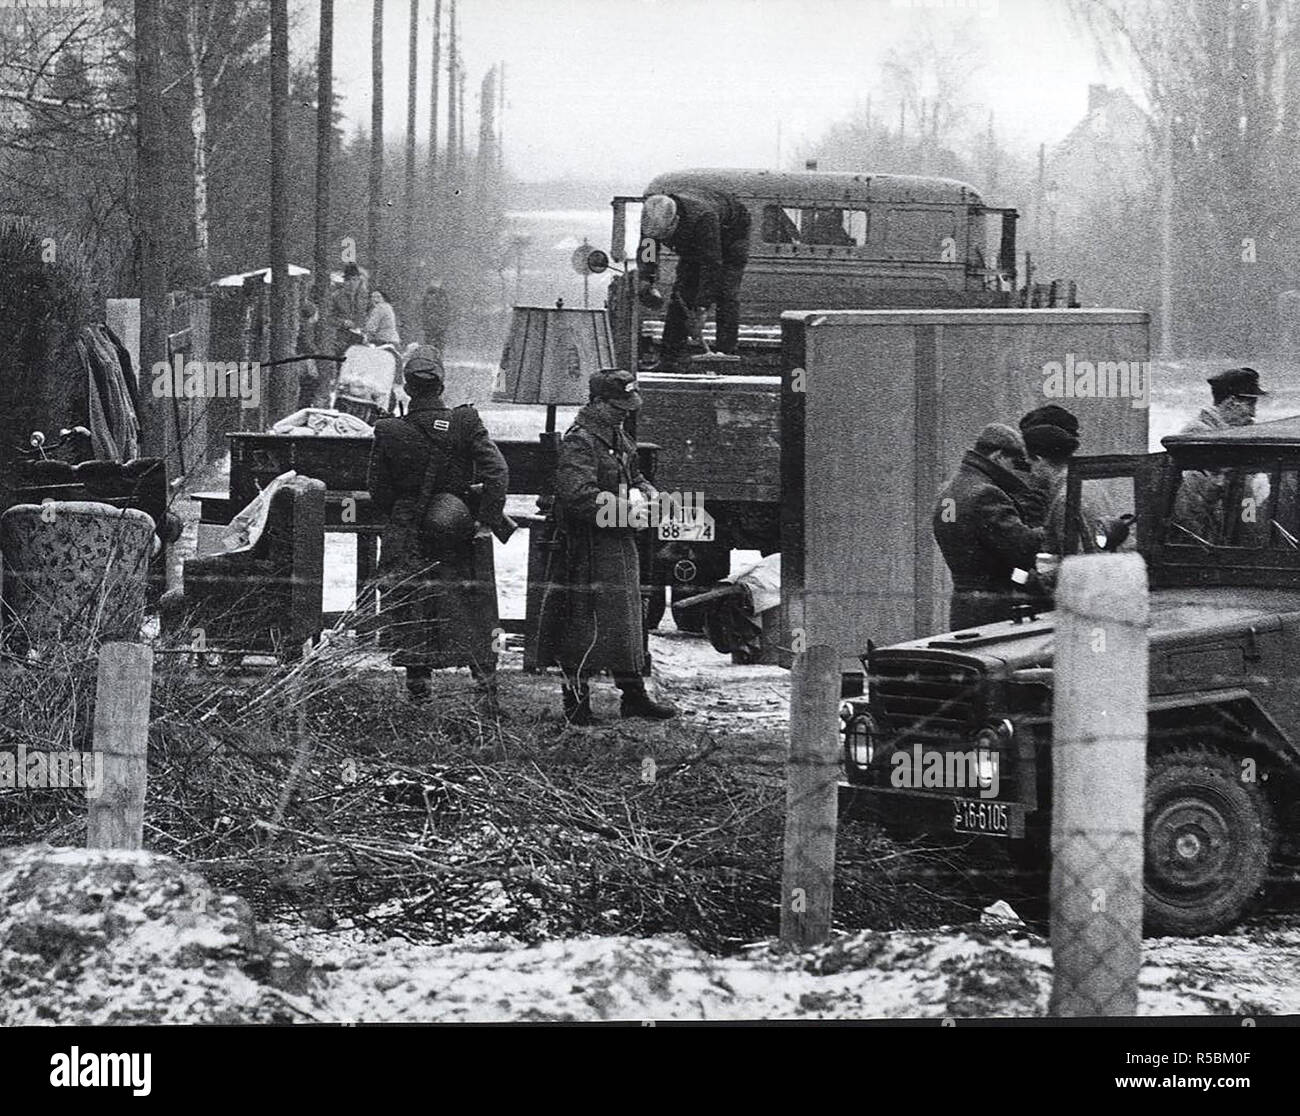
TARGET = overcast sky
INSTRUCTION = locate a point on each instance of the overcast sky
(628, 88)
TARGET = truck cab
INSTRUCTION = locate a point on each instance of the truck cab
(1218, 523)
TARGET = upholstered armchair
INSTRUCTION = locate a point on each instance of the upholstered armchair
(73, 571)
(141, 483)
(262, 598)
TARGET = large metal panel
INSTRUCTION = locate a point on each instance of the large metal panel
(884, 407)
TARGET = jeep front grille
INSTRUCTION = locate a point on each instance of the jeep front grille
(928, 697)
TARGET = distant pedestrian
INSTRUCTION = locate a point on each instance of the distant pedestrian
(349, 307)
(381, 321)
(314, 382)
(435, 316)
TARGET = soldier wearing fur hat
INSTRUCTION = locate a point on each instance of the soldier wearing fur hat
(591, 616)
(439, 607)
(709, 232)
(981, 528)
(1051, 435)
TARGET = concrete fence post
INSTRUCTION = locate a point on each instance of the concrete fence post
(1098, 784)
(115, 819)
(811, 803)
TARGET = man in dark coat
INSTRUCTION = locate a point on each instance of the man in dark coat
(435, 315)
(591, 618)
(979, 524)
(709, 232)
(439, 604)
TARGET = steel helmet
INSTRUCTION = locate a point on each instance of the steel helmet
(658, 216)
(447, 525)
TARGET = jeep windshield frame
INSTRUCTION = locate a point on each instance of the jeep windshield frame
(1266, 554)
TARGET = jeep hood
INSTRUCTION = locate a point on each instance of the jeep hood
(1176, 615)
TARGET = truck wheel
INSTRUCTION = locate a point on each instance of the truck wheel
(1209, 835)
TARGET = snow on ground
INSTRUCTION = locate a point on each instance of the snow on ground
(90, 937)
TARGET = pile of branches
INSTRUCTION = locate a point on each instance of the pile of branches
(318, 792)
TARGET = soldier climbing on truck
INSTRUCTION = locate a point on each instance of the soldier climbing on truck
(815, 241)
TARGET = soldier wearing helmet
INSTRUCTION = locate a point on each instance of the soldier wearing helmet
(709, 232)
(439, 606)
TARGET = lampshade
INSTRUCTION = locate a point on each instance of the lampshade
(551, 352)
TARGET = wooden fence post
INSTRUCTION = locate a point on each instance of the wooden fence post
(1098, 784)
(116, 818)
(811, 801)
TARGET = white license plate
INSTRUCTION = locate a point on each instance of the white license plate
(679, 526)
(973, 815)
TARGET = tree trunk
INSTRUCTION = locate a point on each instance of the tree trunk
(199, 140)
(374, 234)
(435, 82)
(324, 152)
(150, 157)
(283, 394)
(412, 61)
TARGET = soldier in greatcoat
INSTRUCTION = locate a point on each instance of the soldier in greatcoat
(439, 596)
(591, 613)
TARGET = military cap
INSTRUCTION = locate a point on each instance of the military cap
(1235, 381)
(615, 387)
(423, 370)
(1046, 440)
(1050, 415)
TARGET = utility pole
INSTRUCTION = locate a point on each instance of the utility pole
(324, 151)
(283, 394)
(412, 61)
(150, 147)
(375, 212)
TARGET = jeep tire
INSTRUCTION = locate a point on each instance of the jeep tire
(1208, 840)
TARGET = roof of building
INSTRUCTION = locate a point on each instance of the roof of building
(820, 186)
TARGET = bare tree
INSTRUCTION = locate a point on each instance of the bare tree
(375, 210)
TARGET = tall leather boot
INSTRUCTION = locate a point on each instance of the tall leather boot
(637, 703)
(577, 705)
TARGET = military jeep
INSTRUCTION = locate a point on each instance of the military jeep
(1218, 523)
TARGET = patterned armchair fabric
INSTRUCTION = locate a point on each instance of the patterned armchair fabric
(141, 483)
(262, 598)
(73, 571)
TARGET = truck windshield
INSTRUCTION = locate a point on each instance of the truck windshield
(1237, 508)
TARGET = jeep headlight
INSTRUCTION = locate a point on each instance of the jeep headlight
(858, 731)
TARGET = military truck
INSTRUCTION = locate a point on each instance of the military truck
(1218, 523)
(818, 241)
